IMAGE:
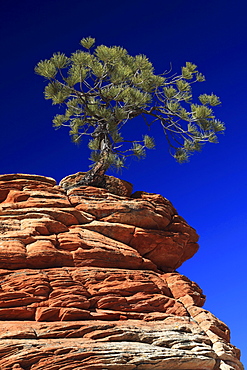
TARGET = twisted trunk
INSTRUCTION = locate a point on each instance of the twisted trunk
(95, 176)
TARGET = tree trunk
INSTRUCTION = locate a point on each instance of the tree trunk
(95, 176)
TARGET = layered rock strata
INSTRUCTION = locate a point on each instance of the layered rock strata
(89, 281)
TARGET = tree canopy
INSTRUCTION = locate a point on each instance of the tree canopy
(102, 88)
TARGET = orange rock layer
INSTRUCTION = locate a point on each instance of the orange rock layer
(89, 281)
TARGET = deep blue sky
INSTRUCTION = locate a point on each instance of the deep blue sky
(209, 191)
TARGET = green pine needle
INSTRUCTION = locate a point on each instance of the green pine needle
(87, 42)
(103, 88)
(149, 142)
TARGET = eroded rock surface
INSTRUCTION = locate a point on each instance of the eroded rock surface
(88, 281)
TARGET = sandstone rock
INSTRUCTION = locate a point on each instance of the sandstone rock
(88, 281)
(31, 179)
(83, 354)
(112, 184)
(35, 213)
(188, 292)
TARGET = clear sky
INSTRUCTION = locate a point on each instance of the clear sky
(210, 190)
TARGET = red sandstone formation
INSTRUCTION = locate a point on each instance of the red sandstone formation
(89, 281)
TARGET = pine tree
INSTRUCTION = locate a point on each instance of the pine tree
(103, 88)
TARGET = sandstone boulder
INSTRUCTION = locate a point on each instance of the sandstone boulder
(42, 225)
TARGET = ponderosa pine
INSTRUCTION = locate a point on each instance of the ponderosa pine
(103, 88)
